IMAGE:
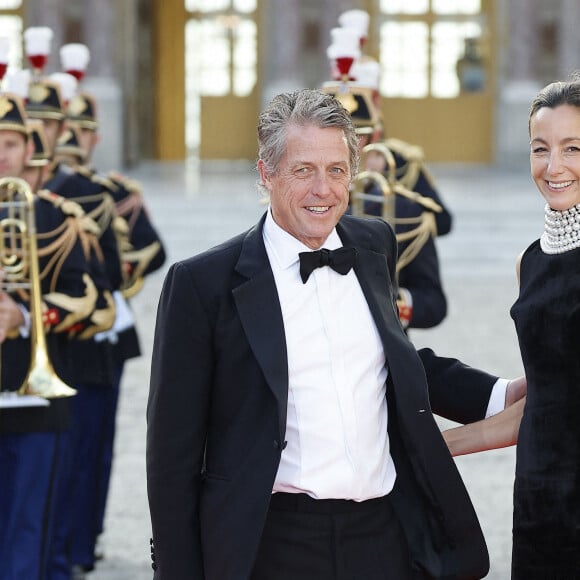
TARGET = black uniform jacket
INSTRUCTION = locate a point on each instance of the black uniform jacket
(217, 414)
(93, 361)
(413, 174)
(422, 276)
(68, 301)
(142, 252)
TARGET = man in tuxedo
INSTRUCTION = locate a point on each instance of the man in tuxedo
(290, 427)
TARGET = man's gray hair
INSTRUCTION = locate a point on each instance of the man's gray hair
(305, 107)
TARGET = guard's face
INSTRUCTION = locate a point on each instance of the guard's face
(374, 161)
(35, 176)
(15, 150)
(555, 155)
(309, 191)
(88, 140)
(53, 129)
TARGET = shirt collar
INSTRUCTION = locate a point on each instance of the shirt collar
(285, 247)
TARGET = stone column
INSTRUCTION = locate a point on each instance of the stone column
(568, 38)
(99, 34)
(281, 42)
(520, 83)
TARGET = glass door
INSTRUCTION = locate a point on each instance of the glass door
(221, 74)
(437, 76)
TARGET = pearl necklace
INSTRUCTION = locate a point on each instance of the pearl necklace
(561, 230)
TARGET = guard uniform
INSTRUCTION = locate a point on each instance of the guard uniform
(142, 252)
(33, 438)
(92, 359)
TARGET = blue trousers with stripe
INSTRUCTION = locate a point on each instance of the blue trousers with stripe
(31, 467)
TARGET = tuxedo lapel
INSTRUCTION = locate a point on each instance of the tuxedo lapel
(372, 271)
(374, 275)
(259, 310)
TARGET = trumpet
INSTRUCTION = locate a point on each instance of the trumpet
(20, 265)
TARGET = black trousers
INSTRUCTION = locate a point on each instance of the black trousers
(308, 539)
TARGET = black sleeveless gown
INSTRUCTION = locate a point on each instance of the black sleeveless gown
(546, 527)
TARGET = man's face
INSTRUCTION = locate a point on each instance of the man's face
(309, 190)
(88, 140)
(52, 130)
(15, 151)
(35, 176)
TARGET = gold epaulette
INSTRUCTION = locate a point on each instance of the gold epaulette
(105, 182)
(96, 178)
(67, 206)
(131, 185)
(56, 245)
(84, 171)
(413, 158)
(90, 226)
(407, 150)
(130, 206)
(140, 259)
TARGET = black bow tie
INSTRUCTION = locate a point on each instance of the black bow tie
(340, 260)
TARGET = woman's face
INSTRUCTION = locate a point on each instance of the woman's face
(555, 155)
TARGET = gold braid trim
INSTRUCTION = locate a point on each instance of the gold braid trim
(128, 291)
(96, 178)
(426, 228)
(130, 208)
(93, 245)
(102, 318)
(90, 225)
(79, 308)
(105, 182)
(129, 184)
(121, 229)
(103, 213)
(143, 258)
(408, 173)
(68, 206)
(61, 241)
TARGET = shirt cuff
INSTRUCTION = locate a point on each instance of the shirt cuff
(24, 330)
(497, 398)
(408, 297)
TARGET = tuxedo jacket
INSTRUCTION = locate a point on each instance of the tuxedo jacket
(217, 414)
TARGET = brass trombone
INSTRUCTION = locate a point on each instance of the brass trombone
(20, 265)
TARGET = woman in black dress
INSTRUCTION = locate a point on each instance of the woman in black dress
(546, 527)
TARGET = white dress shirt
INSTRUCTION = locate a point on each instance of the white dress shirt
(337, 444)
(336, 430)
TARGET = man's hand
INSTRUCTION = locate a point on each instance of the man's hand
(516, 389)
(10, 314)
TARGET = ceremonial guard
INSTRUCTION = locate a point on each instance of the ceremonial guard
(363, 72)
(92, 360)
(47, 298)
(142, 252)
(392, 171)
